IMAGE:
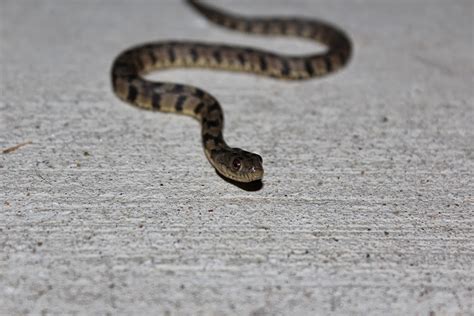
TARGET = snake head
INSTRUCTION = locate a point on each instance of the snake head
(239, 165)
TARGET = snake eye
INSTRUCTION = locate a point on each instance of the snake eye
(236, 164)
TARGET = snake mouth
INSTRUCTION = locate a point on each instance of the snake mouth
(248, 178)
(254, 174)
(250, 186)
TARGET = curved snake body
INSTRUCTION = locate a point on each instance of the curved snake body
(234, 163)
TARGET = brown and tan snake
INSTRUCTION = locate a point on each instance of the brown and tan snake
(233, 163)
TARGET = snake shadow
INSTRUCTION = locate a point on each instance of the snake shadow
(247, 186)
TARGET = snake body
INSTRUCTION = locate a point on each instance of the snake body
(234, 163)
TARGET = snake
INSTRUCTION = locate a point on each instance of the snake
(130, 66)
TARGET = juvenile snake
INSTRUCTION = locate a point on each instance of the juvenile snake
(234, 163)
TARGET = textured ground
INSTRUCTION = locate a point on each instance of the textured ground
(367, 203)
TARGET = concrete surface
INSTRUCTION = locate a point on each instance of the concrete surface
(367, 203)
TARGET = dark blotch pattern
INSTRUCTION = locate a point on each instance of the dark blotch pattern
(211, 124)
(199, 93)
(216, 152)
(180, 102)
(198, 108)
(217, 56)
(194, 54)
(132, 93)
(285, 67)
(171, 55)
(308, 67)
(152, 56)
(241, 58)
(155, 101)
(213, 107)
(327, 63)
(216, 139)
(178, 88)
(263, 63)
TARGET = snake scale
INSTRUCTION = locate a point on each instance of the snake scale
(233, 163)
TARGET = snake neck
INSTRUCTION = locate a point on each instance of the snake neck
(212, 122)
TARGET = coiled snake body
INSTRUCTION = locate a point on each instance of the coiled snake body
(234, 163)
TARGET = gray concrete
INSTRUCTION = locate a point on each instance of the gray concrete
(367, 203)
